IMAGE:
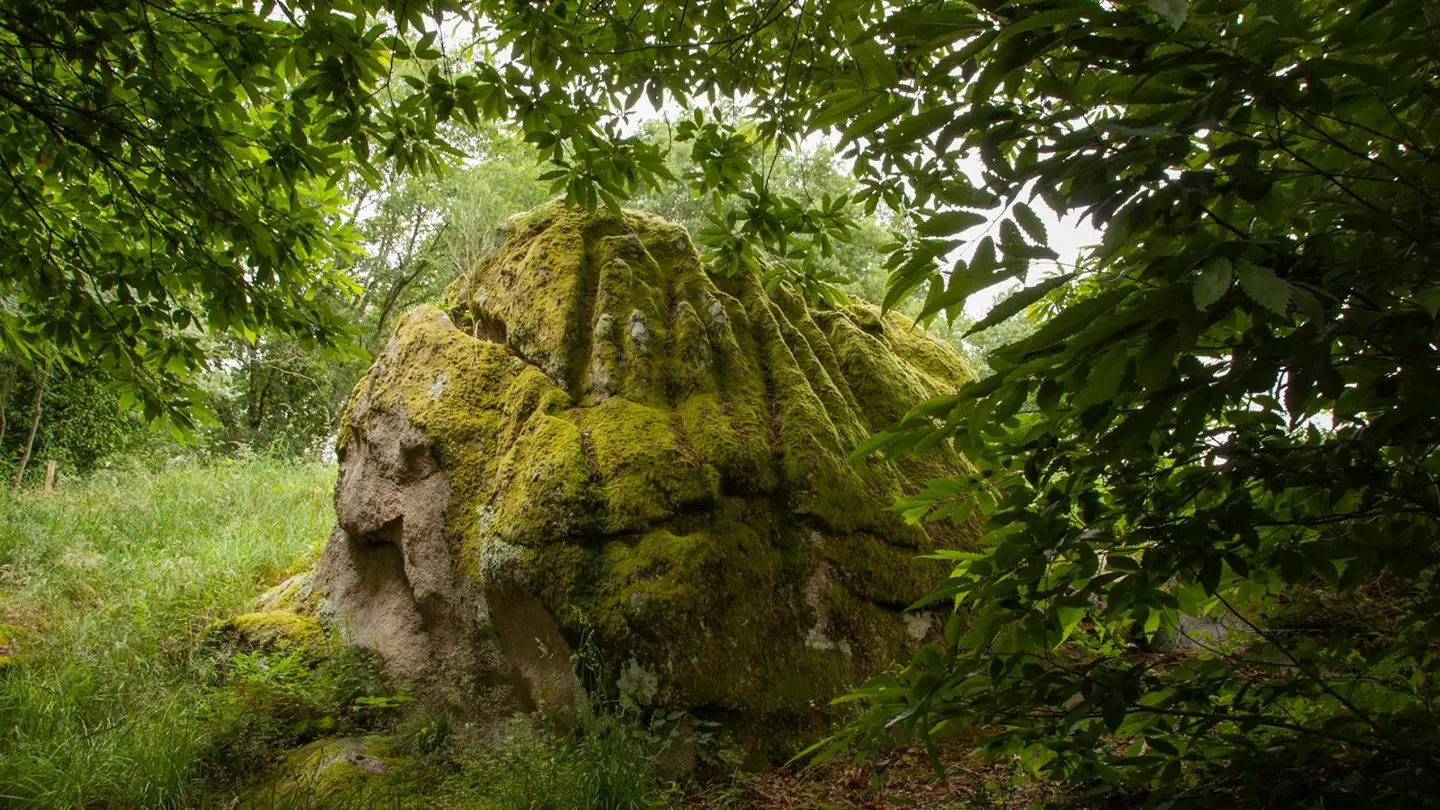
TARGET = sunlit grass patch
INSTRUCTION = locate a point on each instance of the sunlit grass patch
(108, 585)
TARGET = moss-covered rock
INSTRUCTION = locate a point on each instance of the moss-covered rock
(596, 438)
(274, 630)
(278, 629)
(296, 594)
(344, 771)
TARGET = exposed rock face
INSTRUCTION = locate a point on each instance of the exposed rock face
(595, 440)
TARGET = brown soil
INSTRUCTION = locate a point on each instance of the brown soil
(901, 779)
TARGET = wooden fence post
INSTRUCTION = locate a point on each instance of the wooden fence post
(49, 477)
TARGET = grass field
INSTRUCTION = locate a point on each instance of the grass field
(113, 695)
(105, 589)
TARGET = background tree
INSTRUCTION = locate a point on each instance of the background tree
(172, 170)
(807, 175)
(81, 424)
(418, 234)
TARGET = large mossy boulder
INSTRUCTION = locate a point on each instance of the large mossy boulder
(595, 442)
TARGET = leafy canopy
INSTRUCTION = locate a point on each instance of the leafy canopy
(173, 167)
(1231, 393)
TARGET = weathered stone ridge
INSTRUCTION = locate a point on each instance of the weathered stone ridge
(595, 438)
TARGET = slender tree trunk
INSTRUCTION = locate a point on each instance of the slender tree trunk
(6, 384)
(253, 409)
(382, 258)
(34, 426)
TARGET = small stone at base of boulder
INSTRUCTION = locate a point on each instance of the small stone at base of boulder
(327, 769)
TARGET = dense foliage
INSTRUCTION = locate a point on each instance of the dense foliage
(1229, 393)
(1229, 397)
(173, 169)
(81, 424)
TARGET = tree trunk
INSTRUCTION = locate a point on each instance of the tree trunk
(252, 410)
(6, 384)
(34, 426)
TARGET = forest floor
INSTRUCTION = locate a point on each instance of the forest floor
(114, 694)
(906, 781)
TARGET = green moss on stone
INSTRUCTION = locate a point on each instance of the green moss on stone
(341, 770)
(276, 629)
(643, 470)
(543, 484)
(668, 451)
(296, 594)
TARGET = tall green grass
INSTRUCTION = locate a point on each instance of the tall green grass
(602, 766)
(111, 583)
(115, 697)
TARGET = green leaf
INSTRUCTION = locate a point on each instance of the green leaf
(1103, 380)
(915, 126)
(1030, 222)
(1016, 302)
(950, 222)
(1044, 19)
(1114, 712)
(1209, 574)
(1428, 299)
(1069, 617)
(1264, 288)
(1066, 323)
(1213, 281)
(1156, 360)
(1173, 12)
